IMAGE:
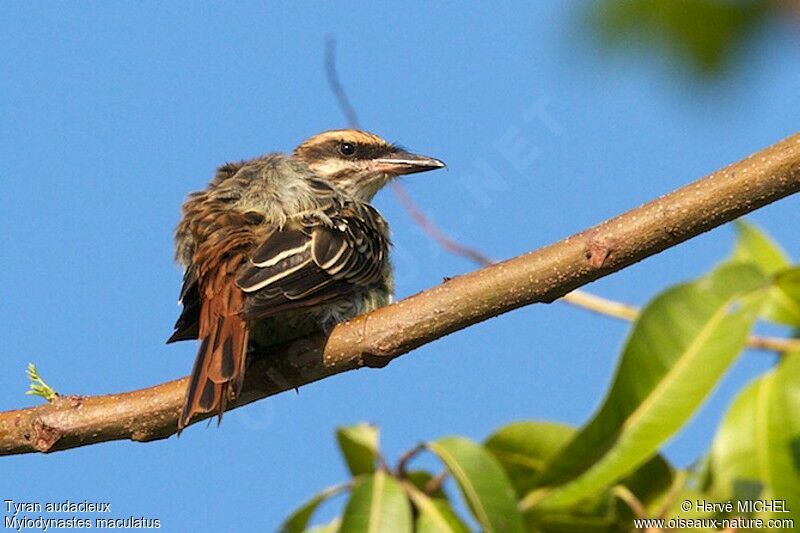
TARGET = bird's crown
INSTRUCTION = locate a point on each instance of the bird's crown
(347, 144)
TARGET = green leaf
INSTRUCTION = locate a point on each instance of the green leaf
(435, 514)
(332, 527)
(783, 304)
(377, 505)
(706, 32)
(440, 519)
(753, 245)
(651, 480)
(523, 448)
(298, 520)
(756, 452)
(600, 520)
(359, 445)
(734, 468)
(783, 433)
(483, 483)
(680, 346)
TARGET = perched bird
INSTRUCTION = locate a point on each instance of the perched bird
(279, 247)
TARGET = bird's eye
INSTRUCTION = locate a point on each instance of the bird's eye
(347, 149)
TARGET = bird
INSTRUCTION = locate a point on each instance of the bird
(279, 247)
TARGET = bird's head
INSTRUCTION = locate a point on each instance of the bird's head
(359, 163)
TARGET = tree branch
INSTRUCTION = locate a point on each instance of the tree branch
(374, 339)
(578, 298)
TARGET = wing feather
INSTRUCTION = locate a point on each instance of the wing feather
(315, 259)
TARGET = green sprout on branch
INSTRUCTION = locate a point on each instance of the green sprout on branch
(38, 386)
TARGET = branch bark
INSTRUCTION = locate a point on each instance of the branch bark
(578, 297)
(376, 338)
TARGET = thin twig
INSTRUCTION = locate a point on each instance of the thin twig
(435, 483)
(433, 230)
(669, 500)
(336, 86)
(631, 500)
(627, 312)
(402, 463)
(382, 464)
(773, 344)
(602, 306)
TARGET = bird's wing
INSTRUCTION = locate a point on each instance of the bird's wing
(186, 327)
(315, 259)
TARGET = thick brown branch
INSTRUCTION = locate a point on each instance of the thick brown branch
(578, 298)
(376, 338)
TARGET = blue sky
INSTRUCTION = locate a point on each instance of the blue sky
(111, 113)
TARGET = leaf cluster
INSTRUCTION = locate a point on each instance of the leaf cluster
(548, 477)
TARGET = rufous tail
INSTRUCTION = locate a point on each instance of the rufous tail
(218, 371)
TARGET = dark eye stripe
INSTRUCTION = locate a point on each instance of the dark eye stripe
(330, 148)
(364, 150)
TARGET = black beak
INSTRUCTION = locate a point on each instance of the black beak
(402, 162)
